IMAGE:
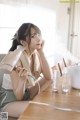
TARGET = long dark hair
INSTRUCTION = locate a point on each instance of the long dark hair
(23, 33)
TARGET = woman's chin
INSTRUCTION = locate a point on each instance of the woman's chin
(38, 47)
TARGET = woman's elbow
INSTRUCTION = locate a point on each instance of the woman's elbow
(50, 78)
(18, 96)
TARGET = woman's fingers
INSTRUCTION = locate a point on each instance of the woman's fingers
(22, 72)
(43, 42)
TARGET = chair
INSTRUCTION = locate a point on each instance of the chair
(1, 78)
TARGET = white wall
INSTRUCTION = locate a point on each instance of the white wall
(50, 15)
(14, 12)
(63, 21)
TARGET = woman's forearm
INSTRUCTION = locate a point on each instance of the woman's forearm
(45, 66)
(18, 85)
(19, 92)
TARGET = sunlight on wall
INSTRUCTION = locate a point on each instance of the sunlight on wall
(12, 17)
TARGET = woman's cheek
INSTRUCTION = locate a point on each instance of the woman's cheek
(38, 47)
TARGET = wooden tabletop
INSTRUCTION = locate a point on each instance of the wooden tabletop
(43, 112)
(54, 106)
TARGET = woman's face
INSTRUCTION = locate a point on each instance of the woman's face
(36, 40)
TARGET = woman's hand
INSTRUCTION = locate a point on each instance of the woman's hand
(22, 73)
(18, 77)
(42, 45)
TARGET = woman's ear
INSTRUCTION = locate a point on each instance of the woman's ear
(22, 42)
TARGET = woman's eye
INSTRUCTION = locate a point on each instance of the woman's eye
(32, 36)
(35, 35)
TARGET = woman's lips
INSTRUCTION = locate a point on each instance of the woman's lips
(38, 44)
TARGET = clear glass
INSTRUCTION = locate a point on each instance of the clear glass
(55, 81)
(66, 83)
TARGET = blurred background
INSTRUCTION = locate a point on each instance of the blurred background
(59, 21)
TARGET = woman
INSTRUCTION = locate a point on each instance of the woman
(31, 74)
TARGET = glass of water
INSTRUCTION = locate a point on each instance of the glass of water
(55, 81)
(66, 83)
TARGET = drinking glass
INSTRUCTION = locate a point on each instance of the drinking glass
(55, 81)
(66, 83)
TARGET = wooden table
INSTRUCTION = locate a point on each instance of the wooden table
(54, 106)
